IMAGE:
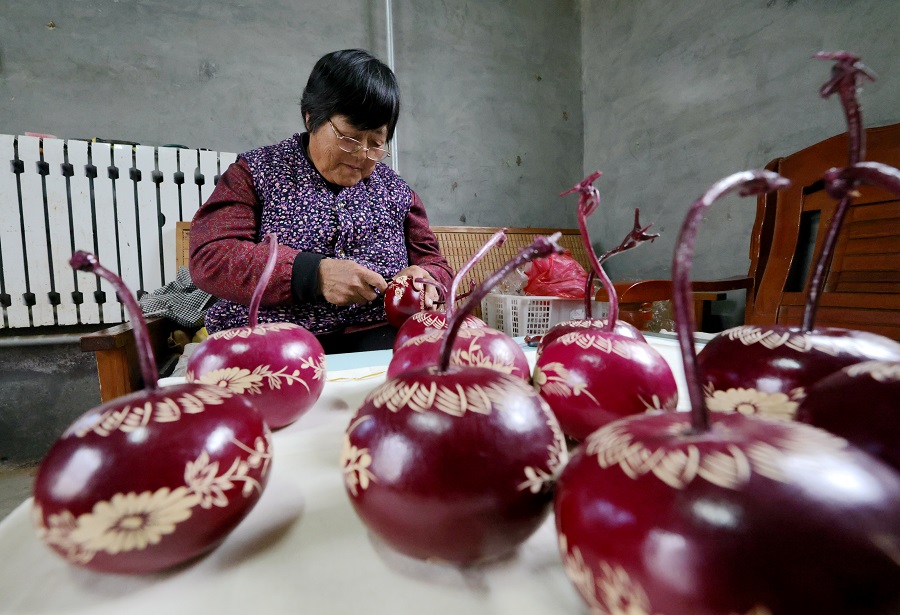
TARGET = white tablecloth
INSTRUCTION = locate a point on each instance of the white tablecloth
(301, 550)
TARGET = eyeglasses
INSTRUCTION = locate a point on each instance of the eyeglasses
(351, 146)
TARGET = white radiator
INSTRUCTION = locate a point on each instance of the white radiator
(119, 201)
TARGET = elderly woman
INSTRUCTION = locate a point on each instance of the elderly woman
(346, 222)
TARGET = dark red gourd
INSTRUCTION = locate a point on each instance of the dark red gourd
(279, 366)
(725, 514)
(152, 479)
(427, 320)
(592, 376)
(402, 299)
(860, 403)
(454, 463)
(474, 345)
(755, 368)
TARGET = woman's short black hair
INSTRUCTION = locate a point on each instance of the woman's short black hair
(354, 83)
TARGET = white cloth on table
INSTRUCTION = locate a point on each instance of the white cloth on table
(301, 550)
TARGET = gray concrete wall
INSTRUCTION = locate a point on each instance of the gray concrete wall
(43, 389)
(490, 129)
(492, 132)
(680, 94)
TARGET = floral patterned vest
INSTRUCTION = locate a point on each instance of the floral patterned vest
(363, 223)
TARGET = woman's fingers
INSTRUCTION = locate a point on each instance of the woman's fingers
(345, 282)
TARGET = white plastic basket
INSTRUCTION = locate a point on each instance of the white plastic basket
(520, 315)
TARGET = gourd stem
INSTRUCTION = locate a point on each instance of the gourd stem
(85, 261)
(589, 294)
(598, 268)
(263, 279)
(588, 201)
(874, 173)
(541, 247)
(496, 239)
(845, 77)
(441, 288)
(748, 182)
(462, 296)
(817, 279)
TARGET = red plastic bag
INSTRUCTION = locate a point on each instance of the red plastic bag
(558, 275)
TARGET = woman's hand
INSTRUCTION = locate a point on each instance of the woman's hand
(431, 292)
(345, 282)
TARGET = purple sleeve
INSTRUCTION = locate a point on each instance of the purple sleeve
(422, 246)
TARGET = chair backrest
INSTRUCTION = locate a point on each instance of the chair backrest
(182, 243)
(459, 243)
(862, 289)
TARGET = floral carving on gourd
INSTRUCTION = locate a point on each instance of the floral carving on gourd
(474, 356)
(454, 400)
(402, 283)
(203, 478)
(657, 403)
(431, 337)
(882, 371)
(555, 379)
(432, 320)
(582, 323)
(241, 380)
(165, 410)
(612, 591)
(536, 478)
(134, 521)
(355, 462)
(605, 344)
(260, 329)
(770, 339)
(679, 465)
(751, 401)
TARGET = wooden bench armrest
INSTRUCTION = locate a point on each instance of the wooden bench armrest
(646, 291)
(118, 367)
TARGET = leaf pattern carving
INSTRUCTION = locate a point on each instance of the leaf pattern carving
(588, 341)
(612, 591)
(556, 379)
(731, 468)
(246, 332)
(882, 371)
(750, 334)
(454, 400)
(167, 409)
(355, 462)
(244, 381)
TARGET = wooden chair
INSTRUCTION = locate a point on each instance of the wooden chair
(862, 288)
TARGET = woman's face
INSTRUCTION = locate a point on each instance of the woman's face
(336, 165)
